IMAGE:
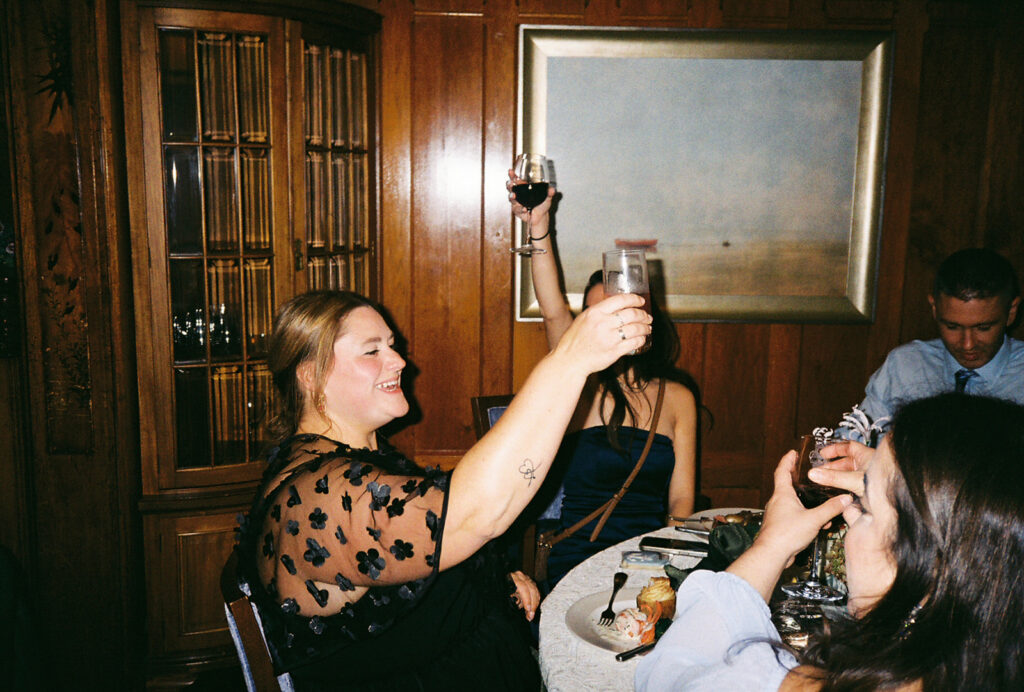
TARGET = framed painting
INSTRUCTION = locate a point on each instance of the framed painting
(749, 163)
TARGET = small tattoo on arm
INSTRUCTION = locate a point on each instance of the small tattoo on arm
(527, 469)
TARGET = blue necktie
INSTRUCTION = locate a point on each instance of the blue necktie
(961, 379)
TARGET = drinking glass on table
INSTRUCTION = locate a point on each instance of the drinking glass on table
(811, 494)
(625, 271)
(533, 173)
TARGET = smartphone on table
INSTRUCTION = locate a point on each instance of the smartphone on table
(674, 546)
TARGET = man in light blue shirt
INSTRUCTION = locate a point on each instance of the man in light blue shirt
(975, 298)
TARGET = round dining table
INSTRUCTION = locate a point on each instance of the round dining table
(568, 661)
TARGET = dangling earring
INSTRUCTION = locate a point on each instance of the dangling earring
(908, 622)
(320, 403)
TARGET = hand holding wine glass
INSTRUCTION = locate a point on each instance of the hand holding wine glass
(626, 271)
(811, 495)
(532, 180)
(786, 530)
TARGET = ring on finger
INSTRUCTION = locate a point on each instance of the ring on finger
(622, 322)
(622, 334)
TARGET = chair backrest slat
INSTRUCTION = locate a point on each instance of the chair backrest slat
(487, 410)
(255, 652)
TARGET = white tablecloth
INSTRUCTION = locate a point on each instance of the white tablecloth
(570, 664)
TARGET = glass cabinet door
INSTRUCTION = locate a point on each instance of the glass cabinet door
(256, 175)
(337, 161)
(212, 103)
(215, 129)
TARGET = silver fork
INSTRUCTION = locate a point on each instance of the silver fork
(608, 615)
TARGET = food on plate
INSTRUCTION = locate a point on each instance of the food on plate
(637, 624)
(658, 592)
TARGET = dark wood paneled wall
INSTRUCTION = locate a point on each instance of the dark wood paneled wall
(76, 473)
(447, 114)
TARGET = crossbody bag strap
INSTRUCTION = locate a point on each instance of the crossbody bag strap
(605, 510)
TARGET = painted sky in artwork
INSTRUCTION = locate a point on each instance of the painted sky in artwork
(703, 154)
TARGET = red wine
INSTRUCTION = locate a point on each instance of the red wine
(530, 194)
(812, 495)
(646, 306)
(647, 301)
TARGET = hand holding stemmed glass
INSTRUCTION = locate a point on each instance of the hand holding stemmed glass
(811, 495)
(530, 181)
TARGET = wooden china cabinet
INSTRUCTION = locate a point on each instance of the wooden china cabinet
(250, 135)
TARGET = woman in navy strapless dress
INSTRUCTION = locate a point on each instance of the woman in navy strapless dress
(612, 421)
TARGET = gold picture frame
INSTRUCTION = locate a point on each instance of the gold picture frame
(752, 162)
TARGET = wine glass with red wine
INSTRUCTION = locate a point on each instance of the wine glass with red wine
(811, 494)
(533, 173)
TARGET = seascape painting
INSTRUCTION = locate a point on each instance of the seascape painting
(743, 174)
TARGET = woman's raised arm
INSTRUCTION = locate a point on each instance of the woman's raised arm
(497, 477)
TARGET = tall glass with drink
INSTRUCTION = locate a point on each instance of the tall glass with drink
(625, 271)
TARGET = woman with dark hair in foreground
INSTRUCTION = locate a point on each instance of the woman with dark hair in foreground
(934, 562)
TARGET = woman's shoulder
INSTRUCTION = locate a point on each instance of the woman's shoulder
(302, 448)
(679, 393)
(680, 402)
(309, 452)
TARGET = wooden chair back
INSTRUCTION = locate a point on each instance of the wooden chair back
(250, 643)
(487, 410)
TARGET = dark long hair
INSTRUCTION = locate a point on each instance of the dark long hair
(659, 361)
(954, 615)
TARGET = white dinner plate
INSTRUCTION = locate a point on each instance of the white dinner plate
(582, 619)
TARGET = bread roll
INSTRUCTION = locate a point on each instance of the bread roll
(659, 590)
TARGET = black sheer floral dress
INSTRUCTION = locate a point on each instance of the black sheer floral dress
(341, 550)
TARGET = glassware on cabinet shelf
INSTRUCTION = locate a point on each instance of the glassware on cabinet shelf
(216, 87)
(188, 321)
(225, 308)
